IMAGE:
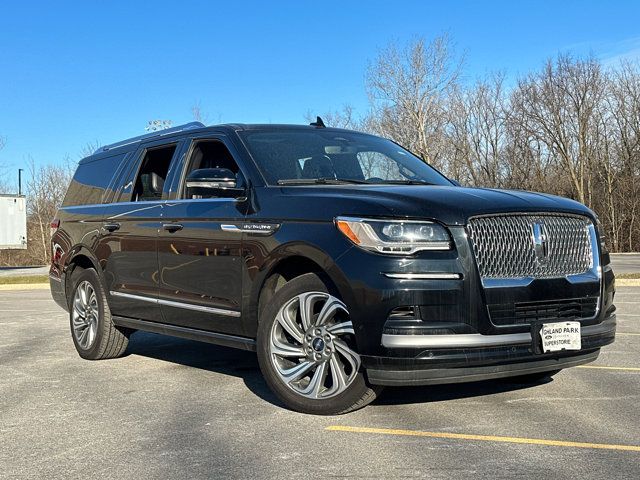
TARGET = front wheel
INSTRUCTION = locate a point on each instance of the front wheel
(307, 351)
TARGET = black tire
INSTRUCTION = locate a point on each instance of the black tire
(109, 341)
(533, 377)
(355, 396)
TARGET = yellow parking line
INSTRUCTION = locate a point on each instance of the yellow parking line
(628, 369)
(482, 438)
(625, 333)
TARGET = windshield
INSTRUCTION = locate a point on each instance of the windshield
(325, 156)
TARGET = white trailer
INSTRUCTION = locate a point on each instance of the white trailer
(13, 222)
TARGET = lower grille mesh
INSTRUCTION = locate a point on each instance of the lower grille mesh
(528, 312)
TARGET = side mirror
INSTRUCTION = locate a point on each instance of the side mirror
(213, 182)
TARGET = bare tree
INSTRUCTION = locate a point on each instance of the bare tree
(45, 193)
(89, 149)
(477, 118)
(344, 118)
(570, 128)
(559, 108)
(197, 113)
(409, 88)
(619, 167)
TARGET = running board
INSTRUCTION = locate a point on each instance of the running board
(225, 340)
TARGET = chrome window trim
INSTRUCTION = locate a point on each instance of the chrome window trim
(170, 203)
(171, 303)
(423, 276)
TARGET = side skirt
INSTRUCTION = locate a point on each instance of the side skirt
(242, 343)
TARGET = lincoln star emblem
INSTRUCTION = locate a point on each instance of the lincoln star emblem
(540, 242)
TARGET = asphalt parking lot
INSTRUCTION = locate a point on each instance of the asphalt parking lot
(174, 408)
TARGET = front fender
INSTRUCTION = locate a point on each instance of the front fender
(320, 244)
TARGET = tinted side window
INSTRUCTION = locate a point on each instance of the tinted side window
(153, 171)
(91, 180)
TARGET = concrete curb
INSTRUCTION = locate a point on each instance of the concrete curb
(24, 286)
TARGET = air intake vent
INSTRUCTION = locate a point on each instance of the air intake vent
(553, 310)
(401, 313)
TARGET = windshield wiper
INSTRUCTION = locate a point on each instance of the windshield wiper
(320, 181)
(406, 182)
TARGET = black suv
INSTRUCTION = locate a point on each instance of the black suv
(345, 261)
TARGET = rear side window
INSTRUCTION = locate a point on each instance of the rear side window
(91, 180)
(153, 172)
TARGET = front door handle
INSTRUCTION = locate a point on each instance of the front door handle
(172, 227)
(111, 227)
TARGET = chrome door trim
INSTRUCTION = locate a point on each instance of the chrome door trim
(171, 303)
(258, 228)
(133, 297)
(199, 308)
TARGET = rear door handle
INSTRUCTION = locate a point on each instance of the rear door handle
(111, 227)
(172, 227)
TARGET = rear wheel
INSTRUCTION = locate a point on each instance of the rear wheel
(94, 334)
(307, 350)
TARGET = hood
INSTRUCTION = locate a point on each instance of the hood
(448, 204)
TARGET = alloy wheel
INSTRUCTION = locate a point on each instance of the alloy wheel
(311, 346)
(85, 315)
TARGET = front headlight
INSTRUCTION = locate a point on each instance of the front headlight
(399, 237)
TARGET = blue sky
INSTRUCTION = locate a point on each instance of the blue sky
(72, 73)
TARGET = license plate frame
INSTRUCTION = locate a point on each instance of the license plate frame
(560, 336)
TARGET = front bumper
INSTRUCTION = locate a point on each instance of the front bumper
(459, 362)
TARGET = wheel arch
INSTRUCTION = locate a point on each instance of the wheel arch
(79, 257)
(287, 263)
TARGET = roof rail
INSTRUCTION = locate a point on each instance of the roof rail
(159, 133)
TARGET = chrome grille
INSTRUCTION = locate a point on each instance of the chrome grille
(505, 245)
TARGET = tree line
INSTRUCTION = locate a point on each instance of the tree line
(570, 128)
